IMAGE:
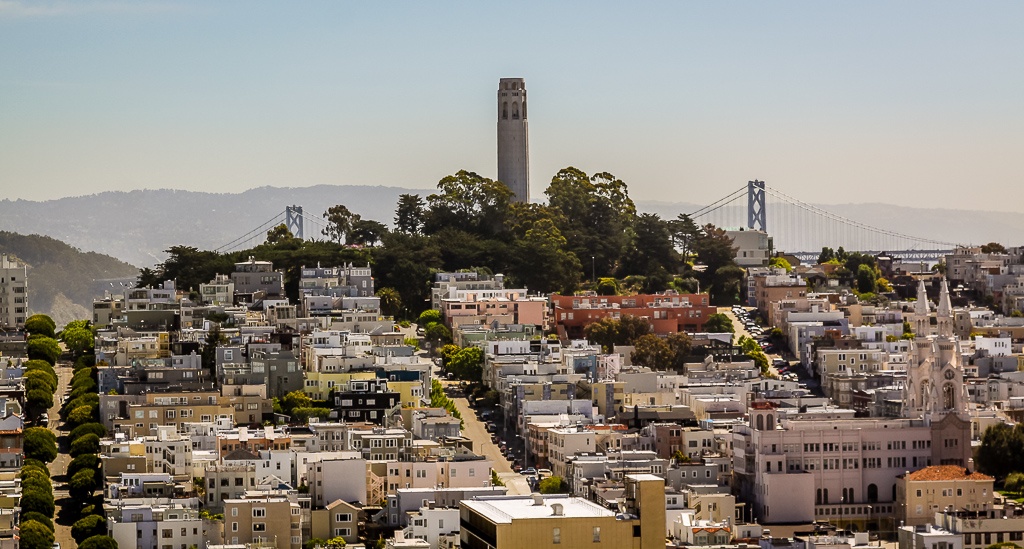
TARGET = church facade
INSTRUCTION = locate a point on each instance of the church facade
(831, 466)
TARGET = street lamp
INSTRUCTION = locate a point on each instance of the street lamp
(593, 270)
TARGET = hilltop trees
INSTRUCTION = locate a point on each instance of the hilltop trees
(588, 229)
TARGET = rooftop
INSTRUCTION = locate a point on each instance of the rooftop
(506, 509)
(945, 472)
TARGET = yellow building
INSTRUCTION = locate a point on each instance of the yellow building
(319, 384)
(561, 522)
(921, 494)
(410, 393)
(608, 396)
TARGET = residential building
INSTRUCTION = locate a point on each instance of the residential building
(255, 280)
(563, 521)
(147, 526)
(265, 519)
(922, 493)
(337, 519)
(668, 313)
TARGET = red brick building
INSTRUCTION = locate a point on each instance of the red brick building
(668, 312)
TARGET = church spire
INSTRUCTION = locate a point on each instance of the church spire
(921, 322)
(921, 307)
(944, 313)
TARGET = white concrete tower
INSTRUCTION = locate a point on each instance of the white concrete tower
(513, 138)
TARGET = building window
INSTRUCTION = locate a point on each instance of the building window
(597, 534)
(556, 535)
(259, 512)
(259, 527)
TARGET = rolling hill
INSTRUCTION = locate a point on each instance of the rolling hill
(63, 280)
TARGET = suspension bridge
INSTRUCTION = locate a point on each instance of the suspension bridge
(794, 226)
(802, 230)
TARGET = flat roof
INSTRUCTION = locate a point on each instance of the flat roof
(506, 509)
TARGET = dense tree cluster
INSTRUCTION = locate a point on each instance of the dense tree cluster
(588, 229)
(465, 363)
(1001, 451)
(37, 506)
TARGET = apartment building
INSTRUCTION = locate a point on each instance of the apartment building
(922, 493)
(160, 526)
(262, 520)
(562, 521)
(668, 313)
(227, 482)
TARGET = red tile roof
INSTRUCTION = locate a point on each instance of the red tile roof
(946, 472)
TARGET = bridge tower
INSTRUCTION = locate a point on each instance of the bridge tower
(755, 206)
(293, 220)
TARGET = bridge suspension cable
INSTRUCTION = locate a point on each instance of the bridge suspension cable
(250, 234)
(850, 222)
(720, 203)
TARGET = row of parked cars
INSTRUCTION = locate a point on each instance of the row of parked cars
(753, 328)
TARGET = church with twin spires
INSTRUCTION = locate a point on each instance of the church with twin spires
(935, 374)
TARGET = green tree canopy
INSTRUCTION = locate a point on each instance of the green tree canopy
(95, 428)
(651, 351)
(1001, 451)
(293, 400)
(719, 323)
(38, 517)
(87, 527)
(409, 213)
(83, 462)
(98, 542)
(83, 484)
(85, 444)
(35, 535)
(339, 223)
(993, 248)
(467, 363)
(44, 348)
(468, 202)
(40, 443)
(428, 317)
(553, 485)
(593, 214)
(542, 261)
(40, 324)
(39, 501)
(865, 278)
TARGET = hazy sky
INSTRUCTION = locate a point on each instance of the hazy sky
(834, 102)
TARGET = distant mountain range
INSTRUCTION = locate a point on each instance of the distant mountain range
(136, 227)
(62, 281)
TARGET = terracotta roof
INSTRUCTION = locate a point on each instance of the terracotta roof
(946, 472)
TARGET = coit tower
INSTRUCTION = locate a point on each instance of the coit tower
(513, 141)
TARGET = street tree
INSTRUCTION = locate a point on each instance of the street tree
(34, 535)
(40, 324)
(719, 323)
(40, 443)
(43, 348)
(85, 444)
(87, 527)
(98, 542)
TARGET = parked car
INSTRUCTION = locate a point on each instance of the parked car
(543, 473)
(529, 471)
